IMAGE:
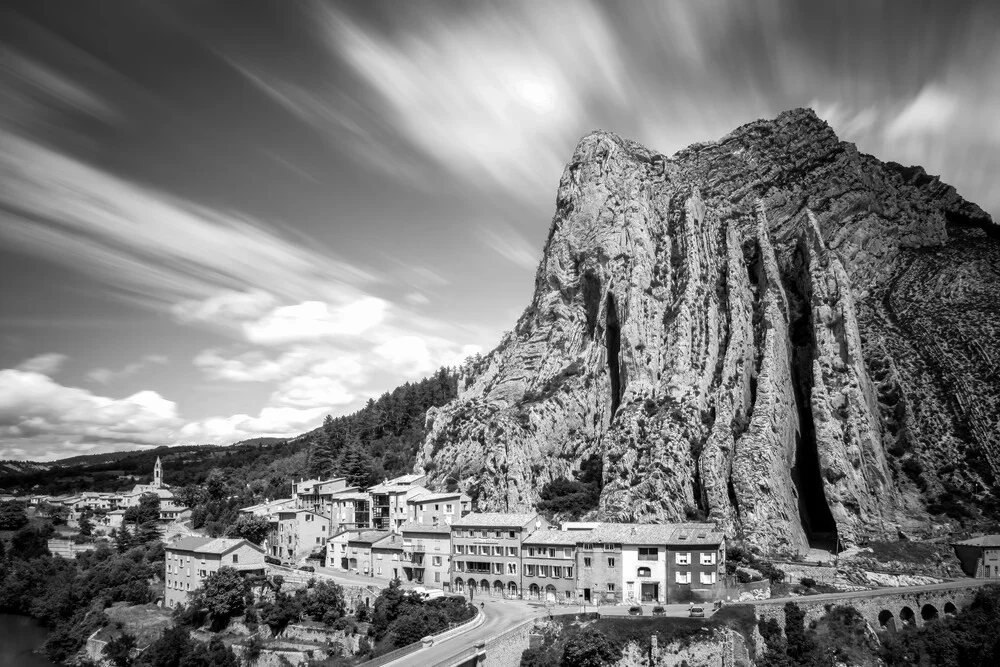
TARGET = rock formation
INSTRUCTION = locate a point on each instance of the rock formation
(775, 330)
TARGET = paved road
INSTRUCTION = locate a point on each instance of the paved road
(500, 615)
(879, 592)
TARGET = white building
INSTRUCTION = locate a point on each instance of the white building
(190, 560)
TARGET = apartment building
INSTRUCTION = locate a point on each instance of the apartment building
(190, 560)
(427, 553)
(599, 568)
(430, 508)
(486, 552)
(548, 566)
(351, 510)
(296, 533)
(389, 501)
(316, 494)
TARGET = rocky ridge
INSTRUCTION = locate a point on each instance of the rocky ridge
(774, 330)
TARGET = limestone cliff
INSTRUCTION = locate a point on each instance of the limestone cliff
(774, 329)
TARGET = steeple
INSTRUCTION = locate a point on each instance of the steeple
(158, 474)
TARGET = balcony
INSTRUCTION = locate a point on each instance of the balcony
(417, 546)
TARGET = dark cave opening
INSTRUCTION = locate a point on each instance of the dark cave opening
(613, 333)
(814, 511)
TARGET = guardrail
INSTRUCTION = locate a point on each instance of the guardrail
(392, 656)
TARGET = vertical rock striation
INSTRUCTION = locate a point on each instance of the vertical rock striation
(723, 328)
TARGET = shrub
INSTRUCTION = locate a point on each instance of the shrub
(808, 582)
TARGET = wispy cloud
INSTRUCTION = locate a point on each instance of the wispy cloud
(510, 245)
(166, 252)
(106, 375)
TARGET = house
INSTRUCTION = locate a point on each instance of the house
(980, 556)
(387, 557)
(389, 501)
(548, 566)
(268, 507)
(431, 508)
(352, 550)
(190, 560)
(427, 553)
(486, 552)
(296, 533)
(653, 563)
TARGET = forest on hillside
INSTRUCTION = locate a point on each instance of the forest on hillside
(381, 440)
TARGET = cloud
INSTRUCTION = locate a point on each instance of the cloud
(316, 320)
(417, 299)
(165, 252)
(46, 364)
(105, 375)
(930, 112)
(511, 246)
(41, 416)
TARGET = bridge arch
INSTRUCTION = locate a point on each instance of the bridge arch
(928, 612)
(950, 609)
(887, 620)
(907, 617)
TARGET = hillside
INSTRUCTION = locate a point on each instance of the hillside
(774, 330)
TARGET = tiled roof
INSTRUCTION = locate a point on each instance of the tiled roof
(209, 545)
(429, 497)
(369, 536)
(649, 533)
(493, 520)
(984, 541)
(414, 527)
(349, 495)
(544, 536)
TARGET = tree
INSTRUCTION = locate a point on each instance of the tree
(31, 542)
(251, 528)
(284, 609)
(86, 525)
(147, 510)
(12, 516)
(119, 650)
(223, 593)
(325, 602)
(590, 649)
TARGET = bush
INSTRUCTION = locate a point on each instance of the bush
(808, 582)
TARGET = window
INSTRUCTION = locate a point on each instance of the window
(436, 560)
(644, 572)
(512, 551)
(497, 568)
(511, 568)
(683, 577)
(611, 562)
(447, 509)
(317, 540)
(569, 572)
(552, 553)
(498, 551)
(459, 533)
(484, 550)
(531, 551)
(543, 570)
(499, 534)
(567, 553)
(708, 577)
(436, 507)
(683, 559)
(611, 588)
(511, 535)
(460, 566)
(708, 559)
(649, 553)
(437, 577)
(586, 562)
(529, 570)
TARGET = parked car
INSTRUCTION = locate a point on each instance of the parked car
(635, 611)
(272, 560)
(659, 611)
(697, 611)
(307, 568)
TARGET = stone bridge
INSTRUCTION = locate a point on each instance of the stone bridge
(887, 608)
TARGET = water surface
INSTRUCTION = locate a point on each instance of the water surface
(19, 637)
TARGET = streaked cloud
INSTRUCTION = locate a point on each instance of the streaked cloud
(510, 245)
(106, 375)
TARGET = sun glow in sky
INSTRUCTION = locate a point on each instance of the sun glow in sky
(225, 220)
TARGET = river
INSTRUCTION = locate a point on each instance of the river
(19, 637)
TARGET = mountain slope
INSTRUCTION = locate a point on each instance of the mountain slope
(773, 329)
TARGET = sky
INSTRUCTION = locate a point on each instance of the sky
(223, 220)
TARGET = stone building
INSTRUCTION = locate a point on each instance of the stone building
(443, 508)
(486, 552)
(389, 501)
(296, 533)
(980, 556)
(548, 566)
